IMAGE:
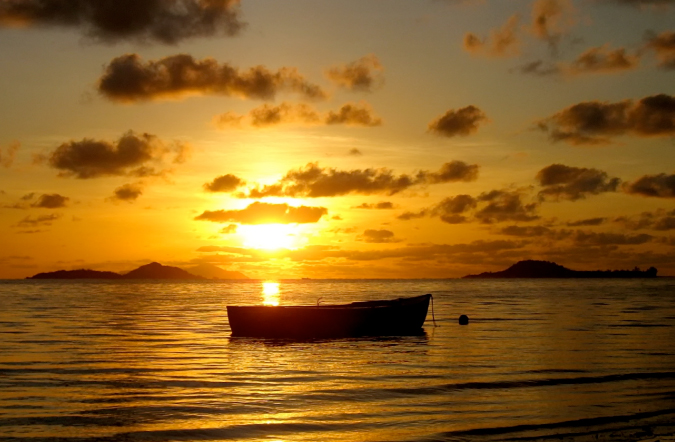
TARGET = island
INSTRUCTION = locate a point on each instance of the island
(546, 269)
(153, 270)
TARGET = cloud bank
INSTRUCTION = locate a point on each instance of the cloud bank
(163, 21)
(266, 213)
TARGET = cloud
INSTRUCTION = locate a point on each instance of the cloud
(462, 122)
(489, 207)
(659, 219)
(502, 42)
(7, 156)
(594, 123)
(504, 205)
(663, 45)
(539, 68)
(224, 183)
(604, 239)
(355, 152)
(354, 115)
(267, 115)
(266, 213)
(128, 192)
(128, 79)
(163, 21)
(660, 186)
(131, 155)
(51, 201)
(562, 182)
(313, 181)
(382, 205)
(362, 75)
(642, 3)
(603, 60)
(378, 236)
(551, 19)
(42, 220)
(587, 222)
(229, 229)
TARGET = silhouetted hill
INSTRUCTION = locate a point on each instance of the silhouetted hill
(76, 274)
(546, 269)
(156, 270)
(214, 272)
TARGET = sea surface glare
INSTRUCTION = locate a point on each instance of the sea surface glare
(154, 361)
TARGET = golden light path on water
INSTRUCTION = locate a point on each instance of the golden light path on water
(270, 293)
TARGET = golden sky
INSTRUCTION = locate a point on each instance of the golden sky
(337, 139)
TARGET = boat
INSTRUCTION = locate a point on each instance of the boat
(396, 317)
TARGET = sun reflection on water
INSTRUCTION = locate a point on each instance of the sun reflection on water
(270, 293)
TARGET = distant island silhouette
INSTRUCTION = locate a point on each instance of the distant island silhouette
(153, 270)
(546, 269)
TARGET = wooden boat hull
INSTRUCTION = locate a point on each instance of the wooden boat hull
(399, 317)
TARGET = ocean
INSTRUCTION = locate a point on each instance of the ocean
(589, 359)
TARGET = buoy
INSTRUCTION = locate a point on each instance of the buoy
(463, 320)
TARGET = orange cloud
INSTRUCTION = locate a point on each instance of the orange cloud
(224, 183)
(461, 122)
(266, 213)
(314, 181)
(7, 157)
(162, 21)
(131, 155)
(573, 183)
(603, 60)
(128, 79)
(378, 236)
(267, 115)
(660, 186)
(663, 45)
(363, 74)
(551, 19)
(593, 122)
(51, 201)
(502, 42)
(128, 192)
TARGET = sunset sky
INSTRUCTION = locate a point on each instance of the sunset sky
(337, 139)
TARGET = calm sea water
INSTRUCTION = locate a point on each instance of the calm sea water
(154, 361)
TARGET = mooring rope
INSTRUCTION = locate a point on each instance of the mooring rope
(433, 317)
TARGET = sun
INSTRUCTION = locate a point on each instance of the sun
(269, 236)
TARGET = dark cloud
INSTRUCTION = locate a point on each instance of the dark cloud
(551, 19)
(603, 60)
(378, 236)
(314, 181)
(355, 152)
(128, 79)
(131, 155)
(382, 205)
(502, 42)
(504, 205)
(660, 186)
(128, 192)
(363, 74)
(164, 21)
(267, 115)
(641, 3)
(265, 213)
(663, 45)
(353, 114)
(51, 201)
(462, 122)
(659, 219)
(604, 239)
(8, 154)
(42, 220)
(562, 182)
(587, 222)
(224, 183)
(539, 68)
(488, 208)
(527, 231)
(592, 122)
